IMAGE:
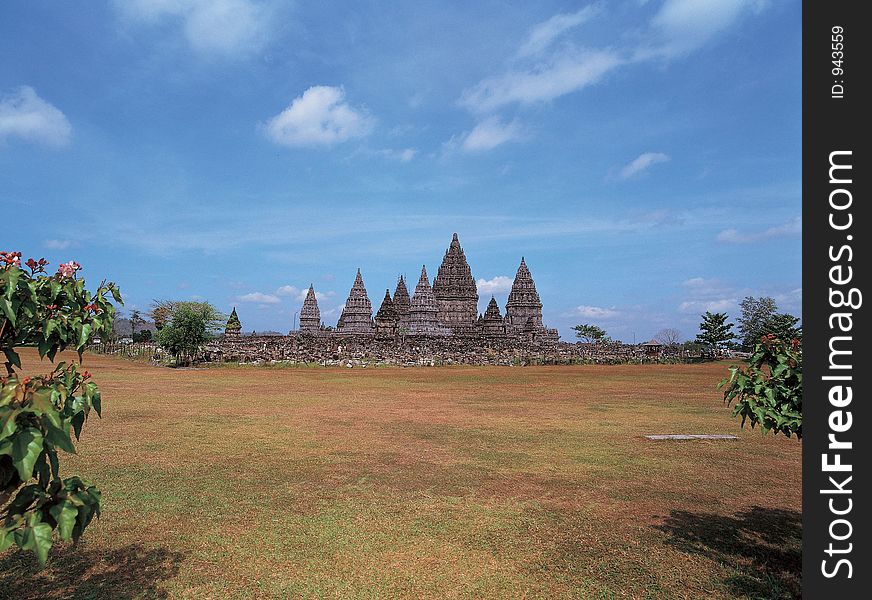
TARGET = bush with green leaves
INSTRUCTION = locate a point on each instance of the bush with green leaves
(188, 326)
(768, 392)
(40, 414)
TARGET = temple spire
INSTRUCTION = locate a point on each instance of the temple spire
(310, 314)
(455, 290)
(356, 317)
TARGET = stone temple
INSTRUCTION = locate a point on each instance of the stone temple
(448, 309)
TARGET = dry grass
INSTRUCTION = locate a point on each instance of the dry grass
(439, 483)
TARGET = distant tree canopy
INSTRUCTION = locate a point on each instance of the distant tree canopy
(784, 327)
(714, 332)
(760, 317)
(591, 333)
(161, 311)
(187, 327)
(668, 337)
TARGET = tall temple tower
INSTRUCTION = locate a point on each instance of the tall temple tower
(424, 314)
(233, 327)
(455, 291)
(356, 317)
(492, 322)
(386, 319)
(402, 304)
(310, 314)
(523, 304)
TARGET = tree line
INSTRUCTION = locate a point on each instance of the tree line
(758, 317)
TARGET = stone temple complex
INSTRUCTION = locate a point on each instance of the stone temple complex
(446, 310)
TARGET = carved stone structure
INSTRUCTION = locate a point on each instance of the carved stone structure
(356, 317)
(233, 326)
(492, 323)
(424, 314)
(386, 319)
(444, 317)
(403, 305)
(455, 291)
(310, 315)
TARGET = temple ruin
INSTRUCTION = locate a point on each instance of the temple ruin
(447, 310)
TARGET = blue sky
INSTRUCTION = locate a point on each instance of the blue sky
(644, 156)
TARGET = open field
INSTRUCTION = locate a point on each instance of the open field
(242, 482)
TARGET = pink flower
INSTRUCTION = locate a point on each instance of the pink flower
(11, 258)
(69, 269)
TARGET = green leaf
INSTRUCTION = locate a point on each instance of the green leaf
(12, 356)
(12, 276)
(6, 539)
(50, 326)
(26, 446)
(77, 421)
(96, 399)
(84, 334)
(7, 421)
(6, 307)
(38, 539)
(65, 514)
(59, 437)
(44, 346)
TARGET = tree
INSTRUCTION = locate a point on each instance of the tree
(190, 325)
(714, 331)
(757, 314)
(39, 414)
(135, 320)
(769, 391)
(668, 337)
(783, 326)
(161, 312)
(143, 336)
(591, 333)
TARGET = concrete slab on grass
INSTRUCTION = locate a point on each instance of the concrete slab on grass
(692, 436)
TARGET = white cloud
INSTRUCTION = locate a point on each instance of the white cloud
(707, 294)
(25, 115)
(320, 117)
(495, 285)
(642, 163)
(559, 75)
(57, 244)
(545, 33)
(541, 73)
(685, 25)
(259, 298)
(228, 27)
(488, 134)
(300, 294)
(404, 155)
(734, 236)
(595, 312)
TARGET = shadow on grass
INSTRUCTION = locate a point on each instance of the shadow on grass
(763, 546)
(132, 571)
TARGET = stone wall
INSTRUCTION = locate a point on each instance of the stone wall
(335, 349)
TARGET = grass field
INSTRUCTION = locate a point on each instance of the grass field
(242, 482)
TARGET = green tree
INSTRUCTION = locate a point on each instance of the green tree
(39, 414)
(135, 321)
(714, 332)
(757, 314)
(769, 391)
(784, 327)
(161, 312)
(190, 325)
(591, 333)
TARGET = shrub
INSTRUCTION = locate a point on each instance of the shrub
(39, 414)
